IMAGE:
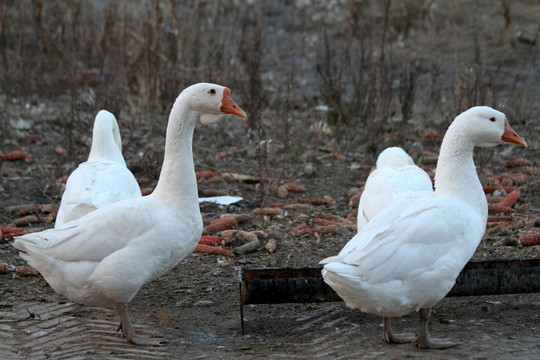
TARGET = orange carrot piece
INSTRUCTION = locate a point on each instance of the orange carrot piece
(530, 239)
(209, 240)
(496, 219)
(532, 170)
(293, 187)
(332, 217)
(314, 201)
(510, 199)
(325, 222)
(496, 208)
(220, 224)
(430, 136)
(49, 208)
(223, 155)
(208, 249)
(205, 174)
(10, 232)
(326, 229)
(26, 220)
(239, 217)
(296, 206)
(517, 178)
(488, 189)
(26, 270)
(268, 211)
(516, 163)
(28, 209)
(299, 229)
(14, 156)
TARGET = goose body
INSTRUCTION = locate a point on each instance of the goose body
(103, 179)
(395, 172)
(408, 256)
(105, 257)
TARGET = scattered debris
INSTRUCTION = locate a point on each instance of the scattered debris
(208, 249)
(4, 268)
(248, 247)
(271, 245)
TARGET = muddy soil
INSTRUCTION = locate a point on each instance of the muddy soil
(196, 306)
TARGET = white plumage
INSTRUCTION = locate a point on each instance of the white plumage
(103, 179)
(395, 172)
(408, 256)
(104, 257)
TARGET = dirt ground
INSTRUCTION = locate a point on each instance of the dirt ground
(196, 306)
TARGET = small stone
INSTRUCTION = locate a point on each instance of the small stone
(271, 245)
(282, 191)
(309, 170)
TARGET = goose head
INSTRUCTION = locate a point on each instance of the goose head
(105, 124)
(106, 139)
(394, 156)
(211, 101)
(487, 127)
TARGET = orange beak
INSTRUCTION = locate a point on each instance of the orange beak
(511, 136)
(228, 106)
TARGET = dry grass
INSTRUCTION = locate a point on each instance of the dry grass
(381, 67)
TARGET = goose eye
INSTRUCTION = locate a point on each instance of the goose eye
(212, 91)
(492, 119)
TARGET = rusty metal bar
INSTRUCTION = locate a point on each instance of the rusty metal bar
(498, 277)
(305, 285)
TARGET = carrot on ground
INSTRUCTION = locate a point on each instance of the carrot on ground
(430, 136)
(14, 155)
(268, 211)
(10, 232)
(517, 178)
(496, 208)
(208, 249)
(205, 174)
(209, 240)
(26, 270)
(530, 239)
(510, 199)
(313, 201)
(512, 163)
(220, 224)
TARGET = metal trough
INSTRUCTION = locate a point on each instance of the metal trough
(305, 285)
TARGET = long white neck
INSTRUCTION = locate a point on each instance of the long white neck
(456, 173)
(177, 184)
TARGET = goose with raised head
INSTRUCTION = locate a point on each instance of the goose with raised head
(103, 179)
(409, 255)
(395, 172)
(103, 258)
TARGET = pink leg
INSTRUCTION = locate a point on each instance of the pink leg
(424, 341)
(390, 337)
(129, 332)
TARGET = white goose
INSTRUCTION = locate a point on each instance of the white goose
(395, 172)
(408, 256)
(103, 179)
(103, 258)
